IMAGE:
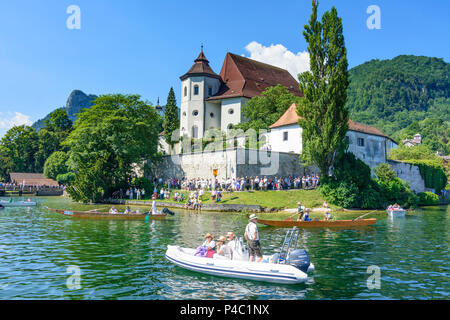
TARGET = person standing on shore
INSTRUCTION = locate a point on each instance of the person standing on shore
(252, 236)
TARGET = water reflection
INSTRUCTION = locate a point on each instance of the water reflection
(126, 259)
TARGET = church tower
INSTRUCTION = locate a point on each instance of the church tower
(197, 85)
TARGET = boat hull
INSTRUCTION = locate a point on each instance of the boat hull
(267, 272)
(318, 224)
(396, 213)
(107, 215)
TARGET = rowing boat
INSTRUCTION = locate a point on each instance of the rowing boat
(18, 203)
(318, 224)
(106, 215)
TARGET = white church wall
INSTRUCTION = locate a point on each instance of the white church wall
(278, 142)
(373, 148)
(231, 112)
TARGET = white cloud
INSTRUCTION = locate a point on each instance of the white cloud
(11, 119)
(279, 56)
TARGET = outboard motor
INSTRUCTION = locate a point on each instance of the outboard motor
(167, 211)
(300, 259)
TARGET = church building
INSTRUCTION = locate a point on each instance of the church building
(215, 101)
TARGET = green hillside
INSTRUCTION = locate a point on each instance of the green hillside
(401, 94)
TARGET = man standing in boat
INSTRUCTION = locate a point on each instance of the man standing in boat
(252, 236)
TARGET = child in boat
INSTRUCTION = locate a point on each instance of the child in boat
(306, 216)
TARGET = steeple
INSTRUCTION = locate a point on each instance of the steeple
(200, 68)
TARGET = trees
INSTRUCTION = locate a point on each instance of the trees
(171, 121)
(17, 151)
(108, 141)
(323, 111)
(56, 164)
(264, 110)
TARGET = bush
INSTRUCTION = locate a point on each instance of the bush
(66, 178)
(428, 199)
(143, 183)
(340, 193)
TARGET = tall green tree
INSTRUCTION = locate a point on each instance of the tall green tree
(18, 148)
(171, 121)
(109, 140)
(324, 115)
(264, 110)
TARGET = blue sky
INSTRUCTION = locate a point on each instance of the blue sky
(144, 46)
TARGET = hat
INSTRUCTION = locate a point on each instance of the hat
(208, 235)
(222, 238)
(252, 216)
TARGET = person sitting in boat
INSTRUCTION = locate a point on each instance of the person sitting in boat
(221, 246)
(127, 210)
(230, 245)
(300, 211)
(113, 210)
(328, 215)
(306, 216)
(210, 244)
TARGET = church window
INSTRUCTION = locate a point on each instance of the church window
(360, 142)
(185, 91)
(184, 114)
(196, 90)
(230, 111)
(211, 114)
(195, 132)
(230, 126)
(285, 136)
(195, 113)
(210, 91)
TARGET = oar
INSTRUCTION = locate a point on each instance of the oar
(365, 215)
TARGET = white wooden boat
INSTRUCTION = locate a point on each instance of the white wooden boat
(17, 203)
(395, 213)
(269, 269)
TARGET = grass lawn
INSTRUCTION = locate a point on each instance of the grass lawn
(268, 199)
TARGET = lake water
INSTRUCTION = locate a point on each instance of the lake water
(121, 259)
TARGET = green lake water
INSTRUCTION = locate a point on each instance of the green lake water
(120, 259)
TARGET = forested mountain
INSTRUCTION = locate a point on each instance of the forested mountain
(76, 101)
(403, 92)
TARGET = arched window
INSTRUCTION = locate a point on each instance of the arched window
(230, 111)
(185, 91)
(194, 132)
(196, 90)
(230, 126)
(209, 91)
(184, 114)
(211, 114)
(195, 113)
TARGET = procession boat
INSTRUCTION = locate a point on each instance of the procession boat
(272, 268)
(5, 203)
(106, 215)
(318, 223)
(395, 213)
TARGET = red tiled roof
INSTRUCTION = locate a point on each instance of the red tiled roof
(244, 77)
(291, 117)
(32, 179)
(200, 67)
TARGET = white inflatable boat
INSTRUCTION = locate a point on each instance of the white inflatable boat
(17, 203)
(394, 213)
(270, 269)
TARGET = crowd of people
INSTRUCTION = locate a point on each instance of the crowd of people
(248, 183)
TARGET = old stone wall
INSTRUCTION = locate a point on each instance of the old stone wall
(409, 173)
